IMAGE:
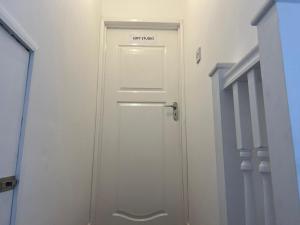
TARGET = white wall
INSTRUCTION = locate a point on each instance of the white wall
(222, 29)
(56, 169)
(143, 9)
(59, 134)
(289, 15)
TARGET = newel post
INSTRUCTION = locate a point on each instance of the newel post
(279, 43)
(230, 179)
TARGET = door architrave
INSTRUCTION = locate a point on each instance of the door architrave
(116, 23)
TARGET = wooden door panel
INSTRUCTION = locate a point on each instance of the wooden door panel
(141, 146)
(140, 178)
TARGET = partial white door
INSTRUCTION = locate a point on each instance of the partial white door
(140, 174)
(14, 61)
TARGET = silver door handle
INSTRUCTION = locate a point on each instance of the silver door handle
(175, 108)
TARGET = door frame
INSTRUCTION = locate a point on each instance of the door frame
(13, 27)
(116, 23)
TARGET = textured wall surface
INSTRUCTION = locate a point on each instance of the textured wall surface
(57, 163)
(222, 29)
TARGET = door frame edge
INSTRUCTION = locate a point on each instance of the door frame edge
(16, 30)
(121, 23)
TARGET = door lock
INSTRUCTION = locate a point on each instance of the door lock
(8, 183)
(175, 108)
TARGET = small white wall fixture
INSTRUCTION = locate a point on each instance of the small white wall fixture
(13, 27)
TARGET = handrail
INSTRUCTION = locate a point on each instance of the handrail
(242, 67)
(268, 5)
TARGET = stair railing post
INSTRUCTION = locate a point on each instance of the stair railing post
(260, 144)
(244, 146)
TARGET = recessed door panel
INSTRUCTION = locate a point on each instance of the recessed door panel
(141, 67)
(141, 147)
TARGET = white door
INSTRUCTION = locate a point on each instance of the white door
(141, 158)
(14, 61)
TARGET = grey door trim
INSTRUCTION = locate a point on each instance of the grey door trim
(16, 30)
(11, 25)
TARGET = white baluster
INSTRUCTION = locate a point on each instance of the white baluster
(244, 145)
(265, 170)
(260, 142)
(247, 169)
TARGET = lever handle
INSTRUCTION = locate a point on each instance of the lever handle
(174, 106)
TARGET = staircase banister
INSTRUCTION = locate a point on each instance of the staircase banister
(242, 67)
